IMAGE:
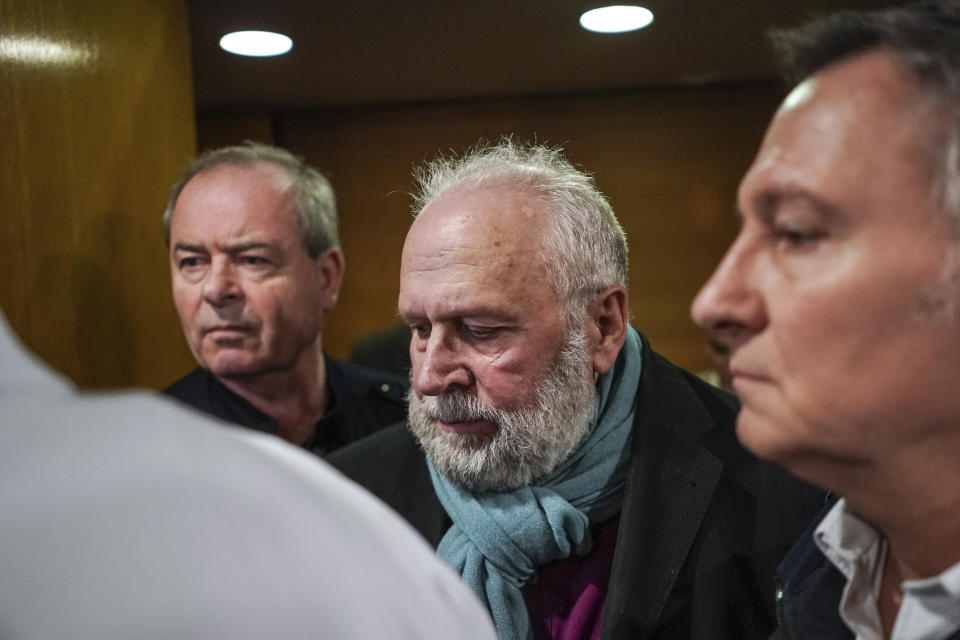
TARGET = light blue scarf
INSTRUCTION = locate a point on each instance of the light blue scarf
(498, 540)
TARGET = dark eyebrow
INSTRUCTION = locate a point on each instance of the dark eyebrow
(244, 246)
(234, 248)
(192, 248)
(466, 313)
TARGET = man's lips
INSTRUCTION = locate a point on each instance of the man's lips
(742, 377)
(227, 329)
(469, 427)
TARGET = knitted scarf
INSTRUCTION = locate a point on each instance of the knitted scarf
(498, 540)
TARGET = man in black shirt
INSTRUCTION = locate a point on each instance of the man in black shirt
(255, 265)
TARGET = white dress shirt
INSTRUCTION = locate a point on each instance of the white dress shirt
(930, 609)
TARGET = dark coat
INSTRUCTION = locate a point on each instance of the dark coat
(702, 527)
(363, 401)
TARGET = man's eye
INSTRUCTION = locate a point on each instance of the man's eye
(481, 333)
(191, 262)
(253, 261)
(797, 238)
(421, 331)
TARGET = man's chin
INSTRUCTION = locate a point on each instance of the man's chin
(232, 366)
(768, 436)
(474, 462)
(453, 441)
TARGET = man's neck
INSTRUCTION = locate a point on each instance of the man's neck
(913, 500)
(294, 398)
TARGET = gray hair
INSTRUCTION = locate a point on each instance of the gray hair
(316, 207)
(587, 249)
(924, 37)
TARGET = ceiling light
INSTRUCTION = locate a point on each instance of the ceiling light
(256, 43)
(616, 19)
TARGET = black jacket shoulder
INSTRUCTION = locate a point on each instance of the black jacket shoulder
(363, 402)
(402, 479)
(366, 401)
(202, 390)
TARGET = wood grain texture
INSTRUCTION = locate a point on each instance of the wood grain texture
(97, 105)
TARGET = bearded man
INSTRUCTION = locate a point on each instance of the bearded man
(581, 485)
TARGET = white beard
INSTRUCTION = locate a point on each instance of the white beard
(529, 442)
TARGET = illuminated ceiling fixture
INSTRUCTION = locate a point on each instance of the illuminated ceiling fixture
(256, 43)
(616, 19)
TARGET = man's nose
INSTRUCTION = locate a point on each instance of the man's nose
(221, 284)
(438, 364)
(729, 305)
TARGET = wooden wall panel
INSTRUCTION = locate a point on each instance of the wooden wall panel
(97, 105)
(669, 162)
(221, 129)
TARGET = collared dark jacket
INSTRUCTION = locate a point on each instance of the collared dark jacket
(363, 401)
(808, 594)
(702, 527)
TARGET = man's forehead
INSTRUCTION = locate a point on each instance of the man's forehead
(238, 189)
(498, 218)
(259, 170)
(468, 255)
(226, 186)
(840, 128)
(466, 252)
(453, 265)
(842, 91)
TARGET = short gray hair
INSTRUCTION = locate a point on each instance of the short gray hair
(924, 37)
(315, 203)
(587, 249)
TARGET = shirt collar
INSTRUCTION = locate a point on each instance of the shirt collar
(930, 608)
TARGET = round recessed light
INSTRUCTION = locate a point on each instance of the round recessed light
(256, 43)
(616, 19)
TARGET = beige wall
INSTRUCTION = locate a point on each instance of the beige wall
(669, 161)
(93, 137)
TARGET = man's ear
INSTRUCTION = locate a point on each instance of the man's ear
(330, 266)
(607, 327)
